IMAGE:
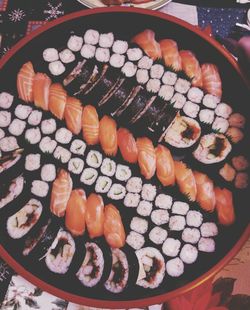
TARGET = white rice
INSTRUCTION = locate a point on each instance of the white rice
(75, 43)
(123, 173)
(134, 54)
(75, 165)
(22, 111)
(63, 136)
(220, 124)
(117, 60)
(91, 36)
(106, 40)
(178, 101)
(48, 173)
(180, 208)
(134, 185)
(102, 54)
(15, 189)
(210, 101)
(62, 154)
(191, 235)
(169, 78)
(153, 86)
(17, 127)
(160, 217)
(142, 76)
(189, 254)
(5, 119)
(144, 208)
(50, 54)
(129, 69)
(139, 225)
(35, 118)
(195, 94)
(206, 245)
(2, 134)
(94, 159)
(194, 218)
(175, 267)
(177, 223)
(131, 200)
(89, 176)
(8, 144)
(120, 47)
(78, 147)
(103, 184)
(163, 201)
(148, 192)
(88, 51)
(145, 63)
(33, 135)
(191, 109)
(171, 247)
(48, 126)
(67, 56)
(47, 145)
(156, 71)
(108, 167)
(6, 100)
(223, 110)
(209, 229)
(32, 162)
(158, 235)
(39, 188)
(182, 86)
(117, 192)
(206, 116)
(135, 240)
(166, 92)
(56, 68)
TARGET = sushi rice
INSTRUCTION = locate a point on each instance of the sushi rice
(6, 100)
(131, 200)
(47, 145)
(32, 162)
(39, 188)
(22, 111)
(135, 240)
(171, 247)
(48, 173)
(117, 192)
(89, 176)
(139, 225)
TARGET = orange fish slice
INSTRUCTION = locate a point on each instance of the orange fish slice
(108, 135)
(146, 157)
(41, 86)
(57, 100)
(73, 115)
(90, 125)
(170, 54)
(127, 145)
(224, 206)
(211, 80)
(25, 78)
(164, 166)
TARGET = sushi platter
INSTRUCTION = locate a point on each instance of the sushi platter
(123, 157)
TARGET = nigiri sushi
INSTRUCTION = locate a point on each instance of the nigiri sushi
(146, 157)
(41, 89)
(108, 136)
(73, 115)
(25, 78)
(164, 166)
(57, 100)
(127, 145)
(224, 206)
(211, 80)
(170, 54)
(90, 125)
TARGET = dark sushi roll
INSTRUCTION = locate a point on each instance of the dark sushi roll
(14, 189)
(10, 160)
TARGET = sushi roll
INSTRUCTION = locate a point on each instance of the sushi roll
(106, 40)
(39, 188)
(177, 223)
(191, 235)
(191, 109)
(237, 120)
(153, 86)
(91, 36)
(118, 277)
(148, 192)
(94, 159)
(75, 43)
(139, 225)
(89, 176)
(156, 71)
(56, 68)
(223, 110)
(166, 92)
(120, 47)
(169, 78)
(62, 154)
(17, 127)
(220, 124)
(117, 60)
(182, 86)
(188, 254)
(50, 54)
(206, 245)
(6, 100)
(171, 247)
(48, 126)
(35, 118)
(135, 240)
(144, 208)
(8, 144)
(102, 55)
(175, 267)
(14, 190)
(117, 192)
(63, 136)
(48, 173)
(194, 218)
(240, 163)
(75, 165)
(142, 76)
(103, 184)
(209, 229)
(134, 185)
(163, 201)
(131, 200)
(123, 173)
(210, 101)
(180, 208)
(108, 167)
(78, 147)
(145, 63)
(160, 217)
(206, 116)
(19, 224)
(235, 134)
(178, 101)
(47, 145)
(33, 135)
(134, 54)
(2, 134)
(10, 160)
(91, 270)
(88, 51)
(5, 119)
(60, 254)
(66, 56)
(32, 162)
(227, 172)
(152, 267)
(195, 94)
(129, 69)
(158, 235)
(22, 111)
(241, 180)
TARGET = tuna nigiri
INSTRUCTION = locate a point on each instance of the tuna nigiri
(108, 135)
(224, 206)
(73, 115)
(41, 88)
(114, 232)
(75, 212)
(211, 80)
(90, 125)
(191, 67)
(95, 215)
(170, 54)
(146, 157)
(25, 78)
(127, 145)
(205, 191)
(146, 41)
(185, 180)
(61, 190)
(57, 100)
(164, 166)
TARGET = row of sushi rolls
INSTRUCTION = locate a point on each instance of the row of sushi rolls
(103, 180)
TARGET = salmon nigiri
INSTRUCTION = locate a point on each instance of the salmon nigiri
(170, 54)
(57, 100)
(61, 190)
(127, 145)
(164, 166)
(41, 86)
(114, 232)
(75, 212)
(205, 191)
(185, 180)
(224, 206)
(73, 115)
(146, 157)
(146, 41)
(108, 135)
(95, 215)
(211, 80)
(191, 67)
(25, 78)
(90, 125)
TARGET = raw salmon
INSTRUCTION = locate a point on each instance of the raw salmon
(224, 206)
(127, 145)
(211, 80)
(57, 100)
(25, 78)
(73, 115)
(146, 157)
(41, 87)
(108, 135)
(191, 67)
(164, 166)
(170, 54)
(90, 125)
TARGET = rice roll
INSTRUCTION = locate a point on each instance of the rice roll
(135, 240)
(142, 76)
(220, 124)
(139, 225)
(14, 190)
(195, 94)
(160, 217)
(50, 54)
(171, 247)
(106, 40)
(56, 68)
(175, 267)
(5, 119)
(117, 192)
(6, 100)
(48, 126)
(91, 36)
(158, 235)
(35, 118)
(120, 47)
(123, 173)
(209, 229)
(194, 218)
(10, 160)
(48, 173)
(47, 145)
(169, 78)
(178, 101)
(17, 127)
(129, 69)
(108, 167)
(144, 208)
(75, 43)
(166, 92)
(163, 201)
(19, 224)
(33, 135)
(182, 86)
(66, 56)
(94, 159)
(103, 184)
(88, 51)
(102, 55)
(180, 208)
(8, 144)
(191, 109)
(156, 71)
(63, 136)
(134, 54)
(62, 154)
(210, 101)
(117, 61)
(32, 162)
(191, 235)
(206, 116)
(134, 185)
(78, 147)
(177, 223)
(39, 188)
(75, 165)
(148, 192)
(89, 176)
(131, 200)
(153, 86)
(206, 245)
(22, 111)
(145, 63)
(189, 254)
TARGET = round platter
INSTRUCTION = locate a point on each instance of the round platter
(229, 240)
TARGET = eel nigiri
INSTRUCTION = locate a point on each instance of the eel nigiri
(90, 125)
(25, 78)
(95, 215)
(127, 145)
(224, 206)
(61, 190)
(170, 54)
(108, 135)
(41, 88)
(146, 157)
(114, 232)
(57, 100)
(164, 166)
(73, 115)
(211, 80)
(75, 212)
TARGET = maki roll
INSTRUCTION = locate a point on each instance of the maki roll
(158, 235)
(148, 192)
(220, 124)
(66, 56)
(144, 208)
(48, 126)
(75, 43)
(166, 92)
(134, 185)
(194, 218)
(120, 47)
(47, 145)
(94, 159)
(22, 111)
(123, 173)
(63, 136)
(117, 192)
(2, 133)
(142, 76)
(191, 109)
(195, 94)
(206, 245)
(5, 119)
(62, 154)
(108, 167)
(6, 100)
(117, 60)
(103, 184)
(129, 69)
(8, 144)
(189, 254)
(106, 40)
(39, 188)
(91, 36)
(35, 118)
(21, 222)
(48, 173)
(191, 235)
(91, 270)
(89, 176)
(13, 191)
(135, 240)
(180, 208)
(32, 162)
(160, 217)
(78, 147)
(210, 101)
(131, 200)
(182, 86)
(175, 267)
(209, 229)
(56, 67)
(134, 54)
(178, 101)
(163, 201)
(88, 51)
(156, 71)
(171, 247)
(169, 78)
(206, 116)
(75, 165)
(153, 86)
(50, 54)
(177, 223)
(33, 135)
(17, 127)
(145, 63)
(139, 225)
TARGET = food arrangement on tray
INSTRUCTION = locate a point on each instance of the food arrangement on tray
(114, 139)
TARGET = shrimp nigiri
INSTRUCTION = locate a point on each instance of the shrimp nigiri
(75, 212)
(164, 166)
(25, 78)
(114, 232)
(185, 180)
(146, 41)
(61, 190)
(191, 67)
(146, 157)
(205, 191)
(95, 215)
(108, 135)
(73, 115)
(224, 206)
(211, 79)
(170, 54)
(127, 145)
(57, 100)
(90, 125)
(41, 87)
